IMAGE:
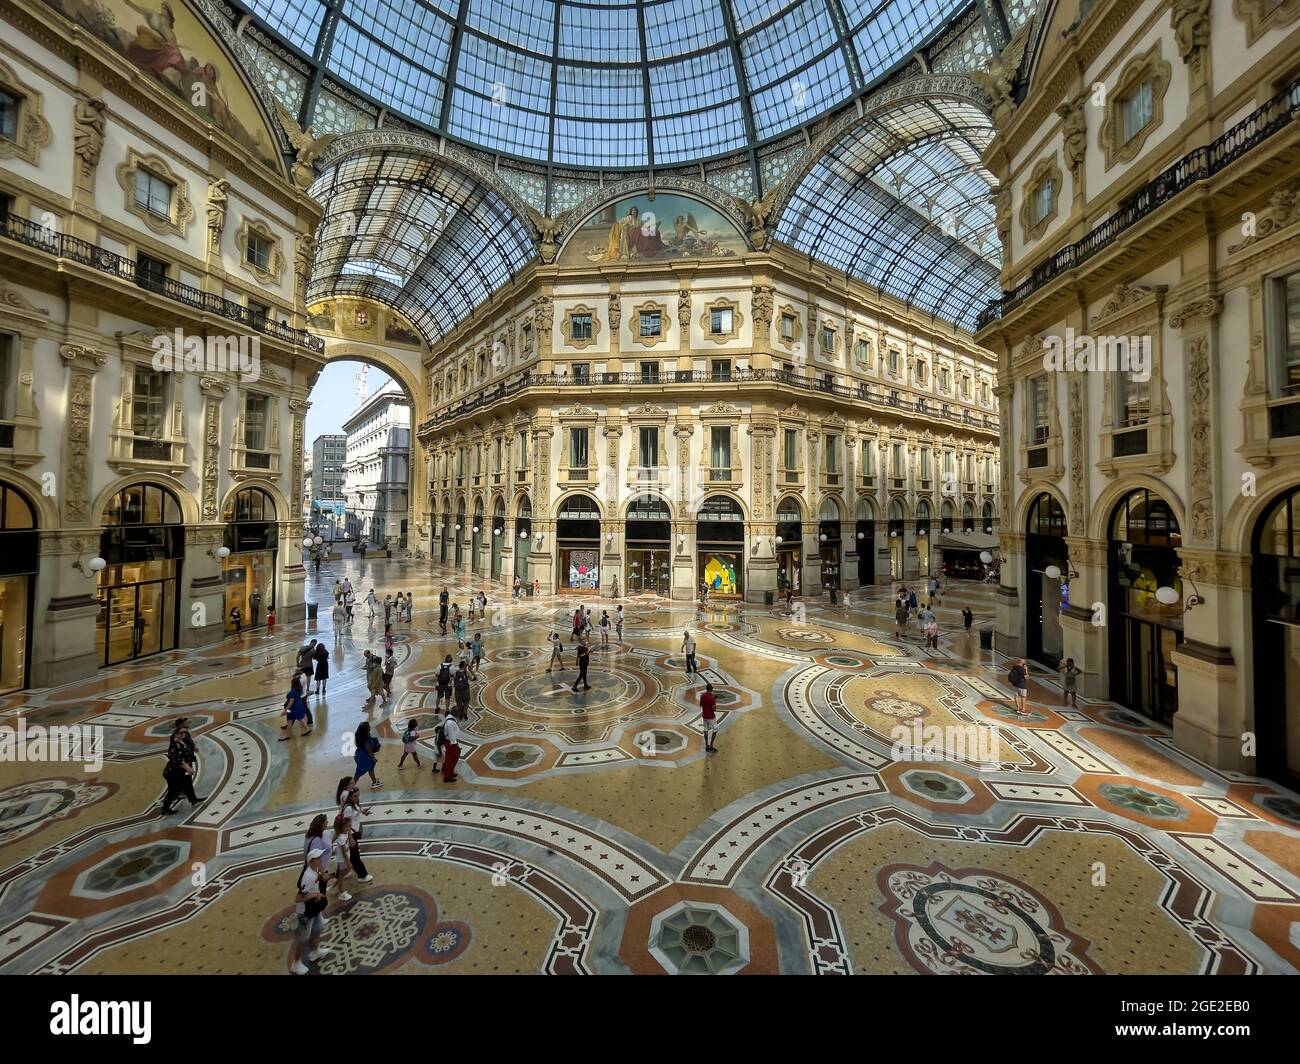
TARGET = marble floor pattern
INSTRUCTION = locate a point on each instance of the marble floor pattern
(591, 833)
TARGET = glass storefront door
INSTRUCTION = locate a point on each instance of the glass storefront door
(648, 572)
(789, 570)
(580, 568)
(137, 610)
(243, 574)
(14, 596)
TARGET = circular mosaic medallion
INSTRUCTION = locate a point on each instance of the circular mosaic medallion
(891, 705)
(977, 922)
(128, 869)
(699, 939)
(1139, 800)
(804, 636)
(936, 786)
(27, 807)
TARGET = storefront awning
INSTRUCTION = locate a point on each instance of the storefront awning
(966, 541)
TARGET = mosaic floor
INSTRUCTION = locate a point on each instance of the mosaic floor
(871, 808)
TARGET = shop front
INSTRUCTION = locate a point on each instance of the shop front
(523, 539)
(1047, 586)
(143, 542)
(865, 535)
(720, 546)
(1146, 605)
(20, 551)
(1275, 601)
(647, 554)
(828, 544)
(923, 540)
(253, 539)
(498, 537)
(897, 541)
(459, 530)
(476, 541)
(577, 539)
(445, 538)
(789, 547)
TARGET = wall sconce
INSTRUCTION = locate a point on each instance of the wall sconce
(221, 553)
(681, 543)
(988, 529)
(92, 567)
(922, 531)
(862, 535)
(475, 530)
(609, 538)
(893, 533)
(1168, 596)
(1053, 572)
(523, 534)
(986, 557)
(458, 527)
(496, 531)
(779, 541)
(821, 538)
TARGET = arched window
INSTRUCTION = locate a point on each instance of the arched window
(1046, 518)
(1144, 518)
(142, 504)
(789, 510)
(250, 504)
(895, 510)
(829, 511)
(648, 508)
(580, 508)
(922, 510)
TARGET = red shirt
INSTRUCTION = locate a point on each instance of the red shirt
(707, 702)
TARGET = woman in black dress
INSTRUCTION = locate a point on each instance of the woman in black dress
(181, 766)
(321, 657)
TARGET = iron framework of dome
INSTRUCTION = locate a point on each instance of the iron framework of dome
(560, 97)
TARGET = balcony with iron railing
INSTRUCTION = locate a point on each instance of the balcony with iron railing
(74, 249)
(1197, 165)
(740, 377)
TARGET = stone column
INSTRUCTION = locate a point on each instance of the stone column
(1009, 606)
(685, 587)
(66, 607)
(1085, 623)
(613, 536)
(204, 604)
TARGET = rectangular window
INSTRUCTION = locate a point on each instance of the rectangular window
(949, 471)
(895, 361)
(580, 326)
(896, 460)
(649, 372)
(152, 193)
(720, 321)
(945, 380)
(864, 352)
(828, 341)
(258, 251)
(1041, 202)
(150, 272)
(791, 449)
(9, 105)
(1039, 417)
(1136, 111)
(581, 372)
(258, 313)
(787, 326)
(648, 448)
(1285, 339)
(868, 460)
(965, 387)
(578, 450)
(925, 463)
(523, 450)
(256, 417)
(652, 323)
(832, 454)
(1134, 399)
(720, 453)
(721, 369)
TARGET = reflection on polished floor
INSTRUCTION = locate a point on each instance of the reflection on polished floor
(592, 833)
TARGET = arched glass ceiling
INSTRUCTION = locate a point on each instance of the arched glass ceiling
(608, 83)
(903, 203)
(415, 234)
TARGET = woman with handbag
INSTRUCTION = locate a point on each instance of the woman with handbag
(181, 766)
(364, 755)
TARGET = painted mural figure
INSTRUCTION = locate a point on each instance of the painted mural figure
(630, 232)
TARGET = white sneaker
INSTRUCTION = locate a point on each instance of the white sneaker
(324, 920)
(299, 968)
(376, 785)
(344, 896)
(365, 879)
(320, 954)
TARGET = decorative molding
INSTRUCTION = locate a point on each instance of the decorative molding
(737, 319)
(90, 118)
(1141, 68)
(1260, 16)
(31, 130)
(1074, 132)
(1196, 359)
(1044, 170)
(180, 212)
(1208, 308)
(634, 324)
(274, 268)
(569, 315)
(218, 201)
(1190, 20)
(1283, 211)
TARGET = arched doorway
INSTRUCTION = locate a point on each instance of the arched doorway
(922, 538)
(19, 561)
(789, 546)
(828, 542)
(1275, 605)
(988, 518)
(498, 536)
(523, 541)
(253, 538)
(720, 545)
(143, 541)
(897, 540)
(1144, 632)
(476, 542)
(445, 538)
(865, 533)
(577, 537)
(648, 547)
(1045, 594)
(947, 515)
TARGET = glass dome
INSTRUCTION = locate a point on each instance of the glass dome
(608, 84)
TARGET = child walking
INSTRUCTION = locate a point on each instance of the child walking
(409, 738)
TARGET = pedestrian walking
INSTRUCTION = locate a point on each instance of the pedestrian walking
(338, 592)
(515, 589)
(270, 620)
(349, 601)
(348, 795)
(709, 718)
(1018, 677)
(388, 638)
(967, 618)
(409, 738)
(390, 667)
(388, 609)
(460, 685)
(1069, 683)
(443, 681)
(295, 709)
(451, 748)
(618, 623)
(932, 631)
(584, 659)
(371, 603)
(442, 611)
(180, 767)
(255, 604)
(374, 678)
(473, 608)
(236, 619)
(900, 616)
(577, 622)
(688, 648)
(557, 652)
(321, 660)
(367, 746)
(604, 628)
(309, 904)
(476, 653)
(537, 589)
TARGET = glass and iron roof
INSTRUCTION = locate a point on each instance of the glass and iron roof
(612, 84)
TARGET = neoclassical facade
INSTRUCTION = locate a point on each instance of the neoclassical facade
(742, 421)
(1147, 163)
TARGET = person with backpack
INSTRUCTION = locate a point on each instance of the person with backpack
(390, 667)
(557, 652)
(310, 902)
(374, 679)
(409, 738)
(1018, 678)
(451, 743)
(460, 685)
(367, 746)
(443, 681)
(604, 628)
